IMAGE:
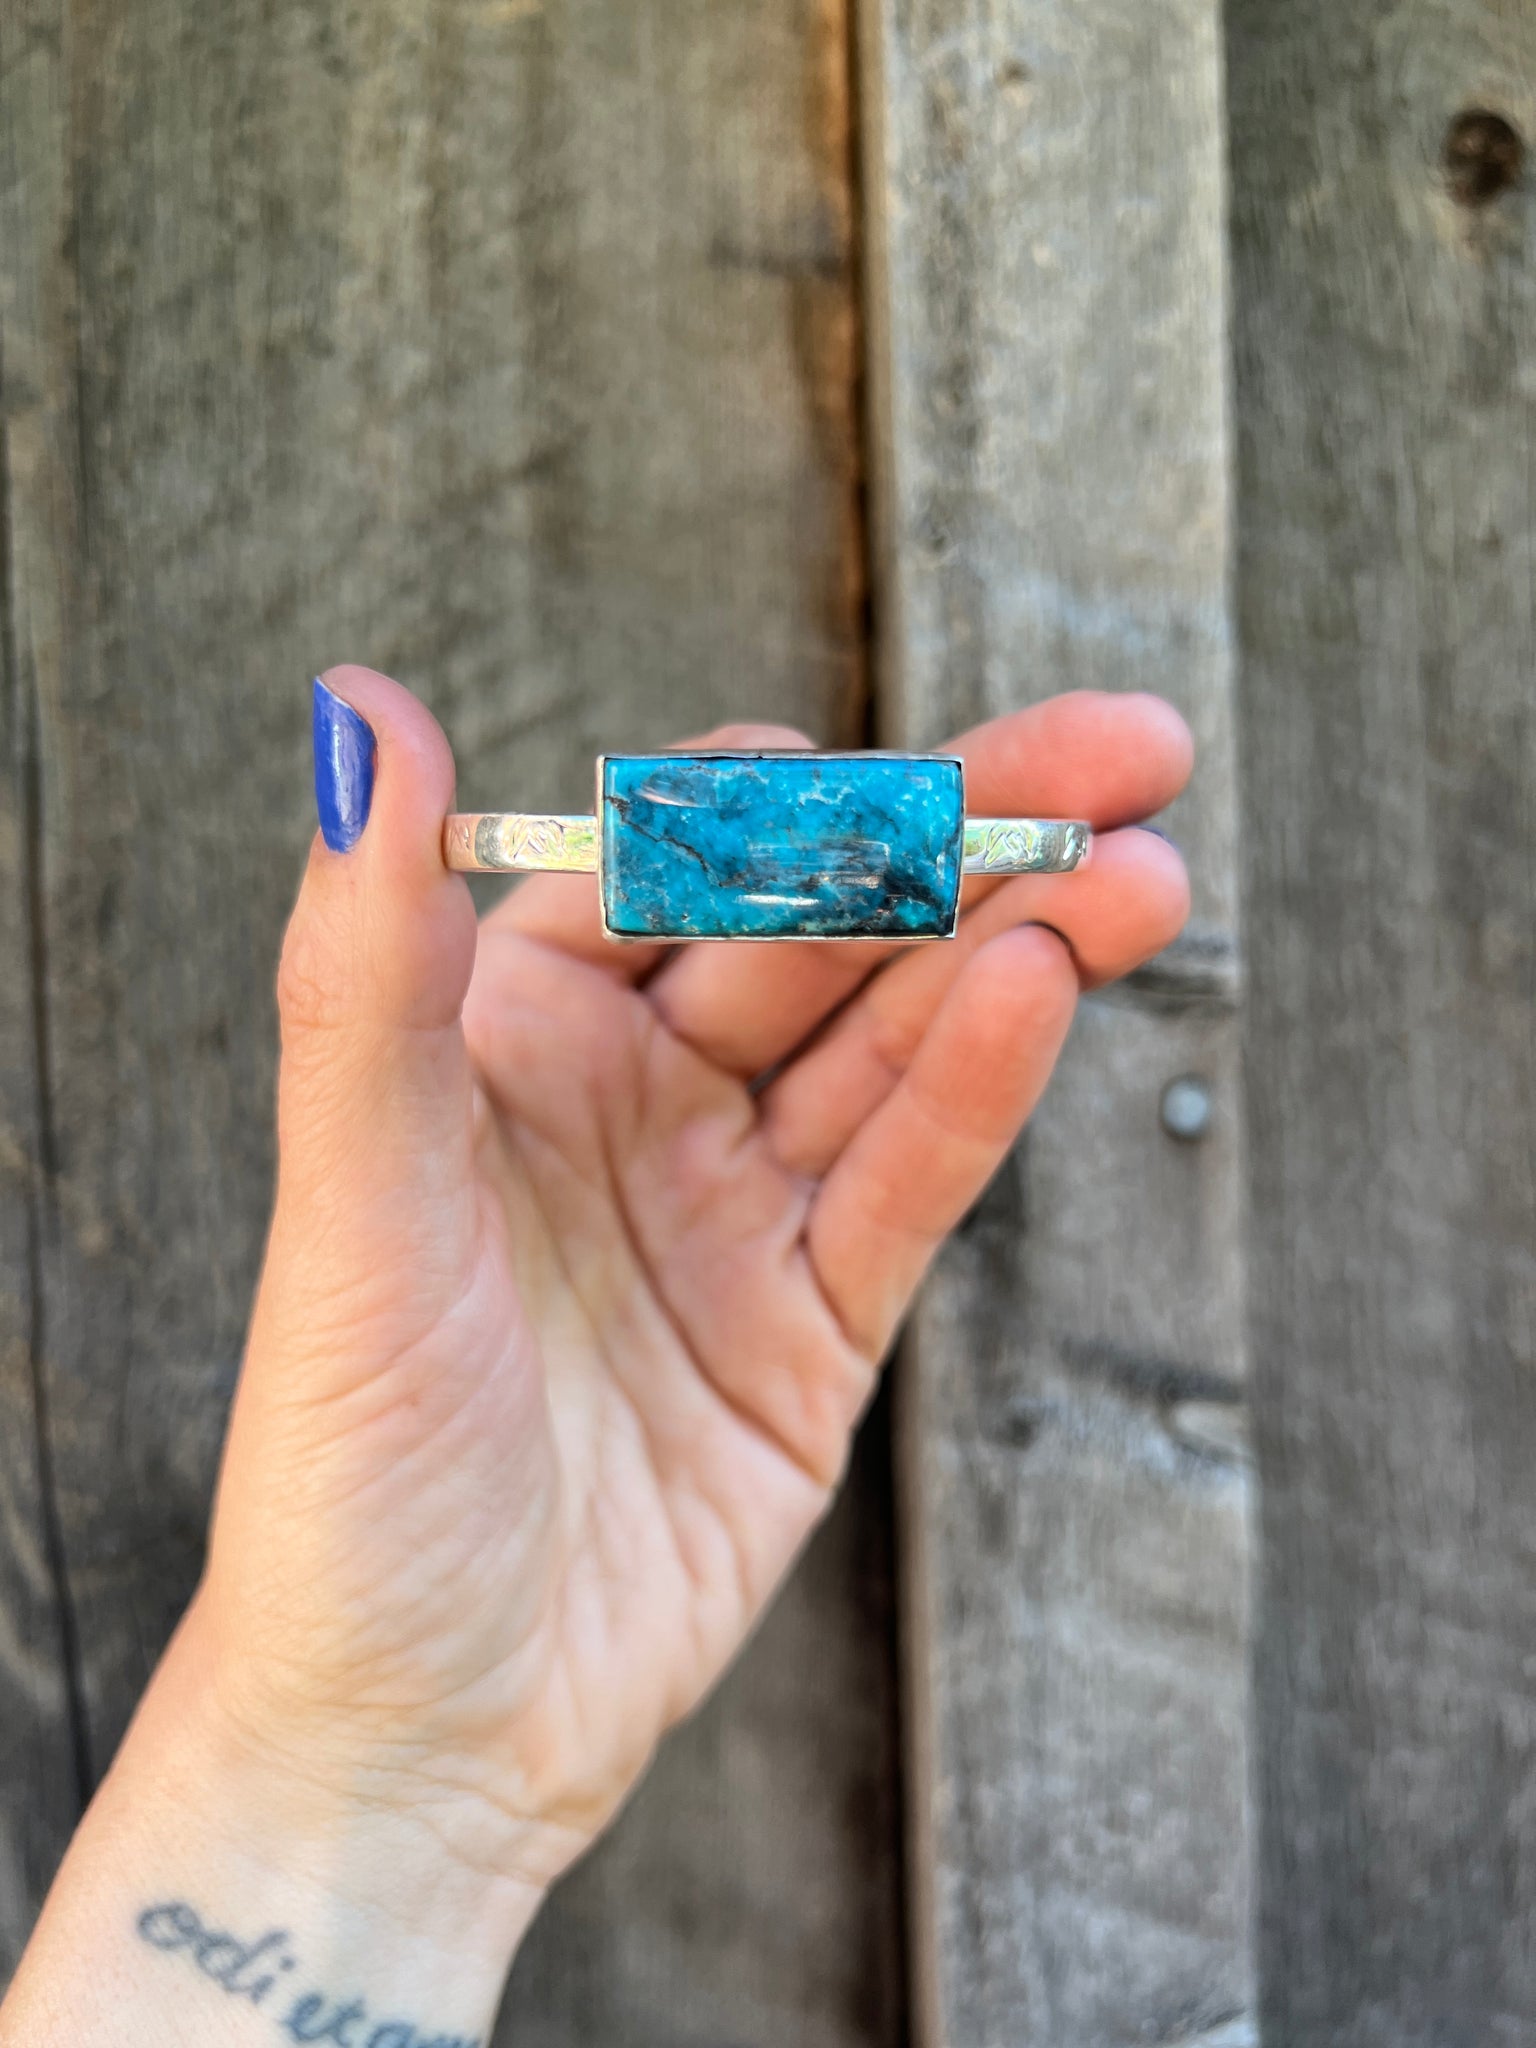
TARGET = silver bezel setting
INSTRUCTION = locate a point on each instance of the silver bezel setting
(773, 938)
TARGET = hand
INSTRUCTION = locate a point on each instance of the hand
(564, 1326)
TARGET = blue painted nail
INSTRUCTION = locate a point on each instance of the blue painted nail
(345, 752)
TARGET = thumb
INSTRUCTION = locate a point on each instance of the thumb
(375, 1135)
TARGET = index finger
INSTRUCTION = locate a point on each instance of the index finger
(1109, 758)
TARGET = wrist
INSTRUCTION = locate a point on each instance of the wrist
(385, 1889)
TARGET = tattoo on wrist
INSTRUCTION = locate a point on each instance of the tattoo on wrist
(267, 1973)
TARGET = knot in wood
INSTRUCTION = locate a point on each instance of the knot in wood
(1483, 156)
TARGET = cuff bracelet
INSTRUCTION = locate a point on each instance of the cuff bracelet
(772, 845)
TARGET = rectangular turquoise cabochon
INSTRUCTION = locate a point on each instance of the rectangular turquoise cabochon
(762, 846)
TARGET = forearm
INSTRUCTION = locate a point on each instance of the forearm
(207, 1900)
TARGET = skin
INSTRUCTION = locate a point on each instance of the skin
(563, 1331)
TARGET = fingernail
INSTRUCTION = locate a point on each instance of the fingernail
(345, 752)
(1166, 837)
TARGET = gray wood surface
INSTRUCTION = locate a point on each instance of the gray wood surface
(510, 348)
(40, 1761)
(1045, 193)
(1386, 405)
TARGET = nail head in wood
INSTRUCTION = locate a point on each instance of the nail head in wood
(1185, 1109)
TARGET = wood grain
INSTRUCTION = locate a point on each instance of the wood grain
(41, 1765)
(1045, 195)
(510, 348)
(1386, 403)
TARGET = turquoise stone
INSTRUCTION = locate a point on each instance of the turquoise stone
(754, 846)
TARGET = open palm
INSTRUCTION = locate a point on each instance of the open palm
(585, 1258)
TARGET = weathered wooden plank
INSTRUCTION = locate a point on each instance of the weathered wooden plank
(1047, 298)
(508, 347)
(38, 1762)
(1385, 300)
(1075, 1500)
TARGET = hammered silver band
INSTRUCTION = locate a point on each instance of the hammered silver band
(526, 843)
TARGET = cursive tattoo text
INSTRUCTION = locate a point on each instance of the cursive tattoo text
(265, 1973)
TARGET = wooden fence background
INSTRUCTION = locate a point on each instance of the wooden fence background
(604, 368)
